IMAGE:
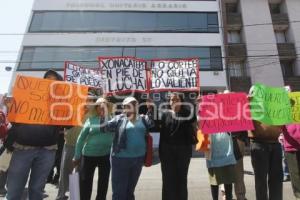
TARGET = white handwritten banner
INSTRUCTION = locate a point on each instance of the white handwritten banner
(175, 75)
(83, 75)
(124, 74)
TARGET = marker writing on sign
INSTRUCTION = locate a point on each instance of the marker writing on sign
(83, 76)
(124, 74)
(174, 74)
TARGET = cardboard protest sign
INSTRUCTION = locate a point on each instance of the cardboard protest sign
(47, 102)
(175, 75)
(270, 106)
(295, 101)
(124, 74)
(225, 113)
(83, 75)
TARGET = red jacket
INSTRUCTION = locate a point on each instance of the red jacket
(3, 126)
(291, 137)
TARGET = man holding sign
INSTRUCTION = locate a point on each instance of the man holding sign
(34, 137)
(270, 108)
(34, 153)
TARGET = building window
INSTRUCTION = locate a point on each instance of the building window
(39, 58)
(234, 37)
(116, 21)
(287, 67)
(237, 69)
(280, 36)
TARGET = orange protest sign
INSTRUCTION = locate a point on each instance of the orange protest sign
(47, 102)
(203, 142)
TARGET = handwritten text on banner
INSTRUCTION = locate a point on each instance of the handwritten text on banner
(270, 105)
(175, 74)
(124, 74)
(225, 113)
(47, 102)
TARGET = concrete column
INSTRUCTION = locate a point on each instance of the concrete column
(293, 10)
(261, 44)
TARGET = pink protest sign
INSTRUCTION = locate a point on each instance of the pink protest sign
(225, 113)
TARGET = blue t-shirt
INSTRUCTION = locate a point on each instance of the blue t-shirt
(136, 142)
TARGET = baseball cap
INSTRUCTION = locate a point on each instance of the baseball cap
(129, 100)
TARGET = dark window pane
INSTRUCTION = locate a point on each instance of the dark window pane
(216, 58)
(26, 58)
(36, 23)
(212, 22)
(146, 52)
(198, 22)
(172, 21)
(173, 52)
(138, 21)
(54, 57)
(43, 57)
(78, 21)
(129, 52)
(53, 21)
(103, 21)
(203, 54)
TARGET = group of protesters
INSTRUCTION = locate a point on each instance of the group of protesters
(116, 144)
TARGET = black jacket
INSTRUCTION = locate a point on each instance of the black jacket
(32, 135)
(176, 131)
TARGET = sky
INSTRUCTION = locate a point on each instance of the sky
(14, 16)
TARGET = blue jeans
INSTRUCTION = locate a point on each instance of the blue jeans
(284, 164)
(38, 162)
(125, 175)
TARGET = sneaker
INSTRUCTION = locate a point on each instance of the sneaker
(223, 196)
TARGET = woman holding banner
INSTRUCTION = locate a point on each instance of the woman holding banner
(129, 148)
(93, 150)
(71, 136)
(177, 135)
(266, 158)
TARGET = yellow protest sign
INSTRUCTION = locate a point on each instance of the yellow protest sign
(295, 101)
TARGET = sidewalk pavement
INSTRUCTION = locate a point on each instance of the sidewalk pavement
(149, 186)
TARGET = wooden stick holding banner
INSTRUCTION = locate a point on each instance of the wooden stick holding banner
(124, 74)
(175, 75)
(47, 102)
